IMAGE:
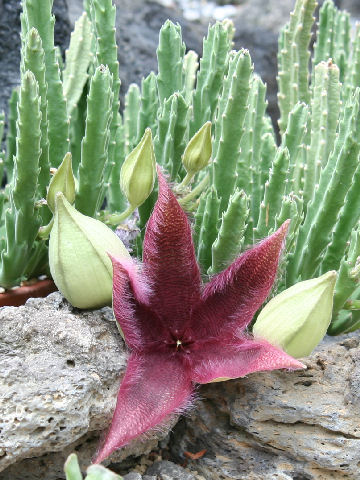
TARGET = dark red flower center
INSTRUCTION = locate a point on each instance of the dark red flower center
(179, 341)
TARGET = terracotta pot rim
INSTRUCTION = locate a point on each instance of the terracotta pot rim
(34, 288)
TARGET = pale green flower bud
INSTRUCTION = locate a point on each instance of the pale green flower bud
(138, 172)
(94, 472)
(198, 151)
(98, 472)
(297, 319)
(63, 181)
(78, 256)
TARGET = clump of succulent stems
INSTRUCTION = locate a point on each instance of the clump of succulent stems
(251, 184)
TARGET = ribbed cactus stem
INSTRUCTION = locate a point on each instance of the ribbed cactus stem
(38, 15)
(325, 109)
(230, 237)
(346, 284)
(94, 147)
(209, 81)
(291, 208)
(335, 181)
(131, 113)
(198, 220)
(293, 139)
(208, 230)
(21, 220)
(324, 46)
(34, 61)
(11, 135)
(2, 153)
(190, 67)
(229, 127)
(117, 200)
(333, 38)
(77, 129)
(149, 106)
(274, 190)
(250, 144)
(341, 54)
(170, 53)
(103, 17)
(293, 59)
(348, 218)
(172, 134)
(78, 58)
(267, 155)
(353, 73)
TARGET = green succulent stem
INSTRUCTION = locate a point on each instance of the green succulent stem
(196, 191)
(352, 305)
(44, 231)
(117, 218)
(185, 181)
(38, 15)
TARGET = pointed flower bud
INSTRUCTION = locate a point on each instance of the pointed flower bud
(78, 256)
(63, 181)
(296, 320)
(138, 172)
(198, 151)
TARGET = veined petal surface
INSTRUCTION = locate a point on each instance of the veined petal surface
(230, 300)
(153, 387)
(237, 358)
(169, 260)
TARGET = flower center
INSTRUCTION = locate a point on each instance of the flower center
(180, 342)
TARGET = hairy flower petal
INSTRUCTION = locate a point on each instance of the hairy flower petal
(178, 335)
(170, 261)
(138, 323)
(231, 298)
(154, 386)
(237, 358)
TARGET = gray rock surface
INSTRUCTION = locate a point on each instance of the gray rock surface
(59, 376)
(299, 425)
(165, 470)
(133, 476)
(352, 6)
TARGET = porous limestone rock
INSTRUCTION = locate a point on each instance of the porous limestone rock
(59, 371)
(301, 425)
(59, 375)
(165, 470)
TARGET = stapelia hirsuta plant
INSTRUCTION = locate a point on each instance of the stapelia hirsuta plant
(180, 332)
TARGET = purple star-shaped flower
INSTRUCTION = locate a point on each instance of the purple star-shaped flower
(181, 332)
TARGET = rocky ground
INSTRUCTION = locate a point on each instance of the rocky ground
(60, 371)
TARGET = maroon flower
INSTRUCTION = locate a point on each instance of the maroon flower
(180, 332)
